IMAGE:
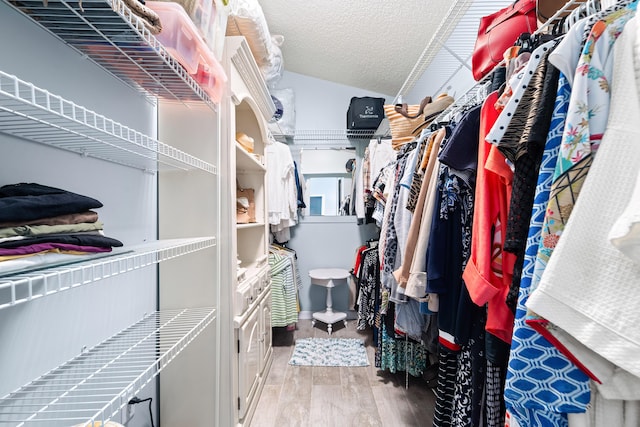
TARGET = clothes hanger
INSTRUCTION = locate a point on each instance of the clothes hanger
(525, 43)
(574, 17)
(558, 27)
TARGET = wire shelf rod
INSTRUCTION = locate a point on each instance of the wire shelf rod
(333, 134)
(35, 114)
(26, 286)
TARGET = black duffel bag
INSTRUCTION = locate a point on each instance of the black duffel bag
(365, 113)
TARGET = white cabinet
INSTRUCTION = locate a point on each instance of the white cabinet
(249, 335)
(248, 109)
(266, 347)
(85, 118)
(254, 347)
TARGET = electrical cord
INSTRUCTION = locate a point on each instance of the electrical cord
(135, 400)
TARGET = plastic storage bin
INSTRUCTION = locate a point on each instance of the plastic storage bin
(201, 12)
(210, 18)
(217, 28)
(184, 43)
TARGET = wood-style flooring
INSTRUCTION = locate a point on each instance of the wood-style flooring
(304, 396)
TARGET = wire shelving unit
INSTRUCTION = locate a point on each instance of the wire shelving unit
(98, 383)
(108, 33)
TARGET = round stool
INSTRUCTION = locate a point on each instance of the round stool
(329, 278)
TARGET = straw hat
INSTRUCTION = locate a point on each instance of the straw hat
(245, 141)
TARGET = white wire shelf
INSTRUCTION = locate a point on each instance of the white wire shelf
(108, 33)
(333, 134)
(96, 385)
(26, 286)
(29, 112)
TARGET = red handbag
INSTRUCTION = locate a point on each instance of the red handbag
(499, 31)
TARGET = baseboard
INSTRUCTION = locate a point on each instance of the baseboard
(307, 315)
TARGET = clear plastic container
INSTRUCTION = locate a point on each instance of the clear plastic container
(216, 31)
(179, 34)
(183, 41)
(203, 15)
(210, 75)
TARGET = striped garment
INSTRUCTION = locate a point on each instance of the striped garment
(284, 299)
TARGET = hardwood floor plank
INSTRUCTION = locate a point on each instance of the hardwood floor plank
(304, 329)
(422, 399)
(281, 356)
(294, 414)
(297, 382)
(357, 392)
(372, 370)
(354, 379)
(326, 375)
(394, 409)
(267, 409)
(340, 397)
(295, 397)
(327, 406)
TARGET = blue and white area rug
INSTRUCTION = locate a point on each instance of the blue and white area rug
(329, 352)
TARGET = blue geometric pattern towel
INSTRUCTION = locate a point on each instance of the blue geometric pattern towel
(329, 352)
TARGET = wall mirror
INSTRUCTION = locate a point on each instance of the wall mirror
(328, 174)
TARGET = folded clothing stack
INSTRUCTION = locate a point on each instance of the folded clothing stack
(36, 219)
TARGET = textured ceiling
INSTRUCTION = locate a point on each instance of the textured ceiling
(368, 44)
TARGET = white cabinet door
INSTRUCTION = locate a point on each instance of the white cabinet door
(249, 337)
(265, 344)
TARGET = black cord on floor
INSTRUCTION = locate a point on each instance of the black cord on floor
(136, 400)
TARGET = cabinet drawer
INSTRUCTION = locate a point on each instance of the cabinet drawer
(263, 280)
(245, 295)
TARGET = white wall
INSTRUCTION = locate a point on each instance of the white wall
(324, 241)
(321, 104)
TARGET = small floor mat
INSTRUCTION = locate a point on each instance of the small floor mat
(329, 352)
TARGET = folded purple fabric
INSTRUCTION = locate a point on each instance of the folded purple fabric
(43, 247)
